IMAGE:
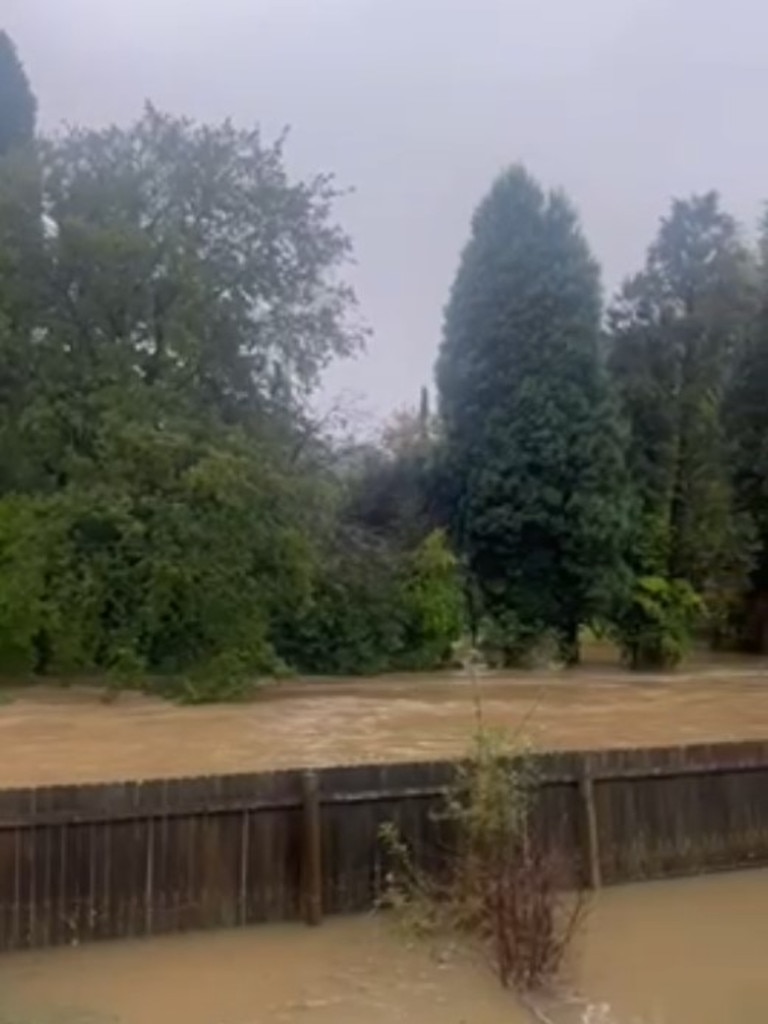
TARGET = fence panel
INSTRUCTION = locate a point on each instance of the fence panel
(79, 863)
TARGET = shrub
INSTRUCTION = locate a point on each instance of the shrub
(375, 608)
(176, 574)
(506, 642)
(501, 888)
(23, 553)
(656, 629)
(350, 623)
(432, 602)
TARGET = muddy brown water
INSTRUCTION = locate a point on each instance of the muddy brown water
(50, 736)
(693, 951)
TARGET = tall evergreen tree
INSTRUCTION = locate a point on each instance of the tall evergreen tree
(677, 330)
(21, 242)
(530, 429)
(18, 106)
(747, 427)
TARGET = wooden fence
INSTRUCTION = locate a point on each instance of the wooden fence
(142, 858)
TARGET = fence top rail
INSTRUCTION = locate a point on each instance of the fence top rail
(41, 819)
(371, 783)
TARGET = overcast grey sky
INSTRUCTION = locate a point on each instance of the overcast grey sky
(419, 103)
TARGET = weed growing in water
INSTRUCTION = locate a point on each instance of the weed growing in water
(501, 887)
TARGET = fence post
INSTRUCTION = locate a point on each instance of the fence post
(589, 831)
(245, 828)
(149, 878)
(312, 863)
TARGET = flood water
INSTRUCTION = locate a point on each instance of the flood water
(51, 736)
(693, 951)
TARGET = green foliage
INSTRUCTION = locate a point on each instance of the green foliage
(532, 436)
(158, 498)
(162, 567)
(376, 607)
(678, 329)
(197, 261)
(170, 510)
(24, 544)
(387, 495)
(352, 621)
(506, 641)
(432, 604)
(655, 630)
(18, 107)
(390, 487)
(497, 888)
(747, 425)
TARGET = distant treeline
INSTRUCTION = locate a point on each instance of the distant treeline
(171, 509)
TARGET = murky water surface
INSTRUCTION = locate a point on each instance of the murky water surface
(52, 736)
(689, 951)
(683, 952)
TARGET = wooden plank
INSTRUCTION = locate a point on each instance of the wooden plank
(79, 863)
(149, 876)
(312, 856)
(242, 900)
(591, 840)
(53, 819)
(93, 804)
(42, 930)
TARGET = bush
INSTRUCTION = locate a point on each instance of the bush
(501, 888)
(657, 627)
(175, 568)
(23, 555)
(350, 623)
(375, 608)
(506, 642)
(432, 603)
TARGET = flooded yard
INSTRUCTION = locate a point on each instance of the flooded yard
(681, 952)
(53, 735)
(689, 951)
(350, 971)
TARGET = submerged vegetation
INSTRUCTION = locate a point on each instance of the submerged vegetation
(496, 885)
(173, 509)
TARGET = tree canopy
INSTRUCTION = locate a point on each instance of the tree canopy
(531, 431)
(173, 511)
(746, 427)
(18, 106)
(167, 504)
(678, 330)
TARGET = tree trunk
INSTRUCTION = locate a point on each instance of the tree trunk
(569, 647)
